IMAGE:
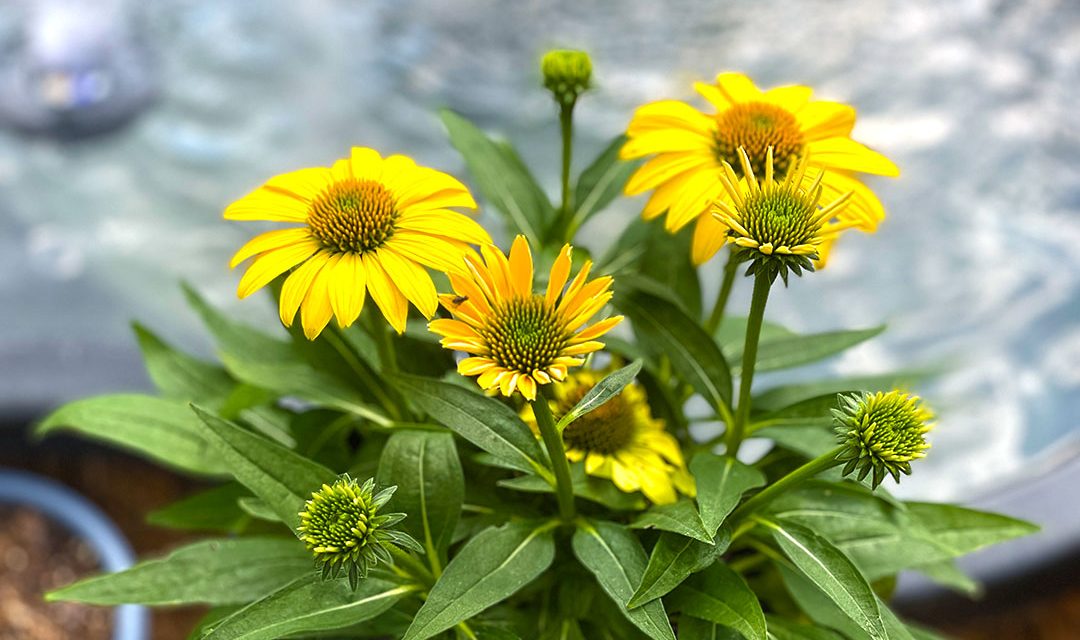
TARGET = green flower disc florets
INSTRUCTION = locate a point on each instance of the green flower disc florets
(343, 529)
(883, 433)
(566, 74)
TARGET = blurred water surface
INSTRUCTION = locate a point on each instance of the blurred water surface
(977, 264)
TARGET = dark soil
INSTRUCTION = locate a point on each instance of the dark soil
(36, 555)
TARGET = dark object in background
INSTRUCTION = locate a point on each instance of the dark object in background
(37, 555)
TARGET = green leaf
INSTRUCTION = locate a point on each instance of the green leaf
(282, 478)
(785, 395)
(180, 376)
(501, 177)
(253, 357)
(784, 629)
(257, 508)
(611, 386)
(598, 490)
(680, 517)
(720, 595)
(430, 485)
(694, 356)
(721, 482)
(808, 440)
(811, 411)
(485, 422)
(163, 430)
(794, 351)
(309, 604)
(601, 182)
(832, 572)
(947, 574)
(615, 557)
(731, 334)
(691, 628)
(211, 510)
(488, 569)
(215, 572)
(824, 611)
(960, 531)
(673, 558)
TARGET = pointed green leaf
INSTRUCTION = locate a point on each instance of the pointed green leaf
(731, 334)
(211, 510)
(615, 557)
(282, 478)
(832, 572)
(810, 440)
(309, 604)
(794, 351)
(488, 569)
(180, 376)
(720, 595)
(483, 421)
(161, 429)
(947, 574)
(601, 182)
(430, 485)
(691, 628)
(678, 517)
(215, 572)
(960, 531)
(694, 355)
(500, 176)
(673, 558)
(784, 629)
(721, 482)
(611, 386)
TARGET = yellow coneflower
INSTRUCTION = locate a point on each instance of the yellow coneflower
(620, 440)
(689, 149)
(779, 218)
(369, 225)
(519, 339)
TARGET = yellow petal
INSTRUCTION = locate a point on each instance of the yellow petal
(714, 95)
(738, 88)
(431, 251)
(499, 269)
(664, 168)
(521, 267)
(560, 271)
(665, 141)
(697, 197)
(846, 154)
(527, 386)
(596, 330)
(443, 222)
(267, 204)
(790, 98)
(272, 264)
(709, 235)
(316, 311)
(668, 114)
(474, 366)
(366, 164)
(394, 306)
(820, 120)
(269, 241)
(302, 184)
(348, 288)
(411, 279)
(864, 207)
(296, 286)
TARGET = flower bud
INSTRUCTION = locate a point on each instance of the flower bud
(342, 527)
(566, 74)
(882, 432)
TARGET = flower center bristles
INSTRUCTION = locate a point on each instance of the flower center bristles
(893, 430)
(606, 430)
(781, 215)
(756, 126)
(524, 334)
(353, 216)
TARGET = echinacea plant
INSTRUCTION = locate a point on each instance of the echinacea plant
(529, 468)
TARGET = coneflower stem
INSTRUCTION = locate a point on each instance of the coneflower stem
(762, 284)
(566, 126)
(768, 494)
(564, 488)
(731, 268)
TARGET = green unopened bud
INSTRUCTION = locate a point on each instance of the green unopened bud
(342, 527)
(882, 432)
(566, 74)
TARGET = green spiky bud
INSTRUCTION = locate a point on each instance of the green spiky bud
(883, 432)
(566, 74)
(342, 527)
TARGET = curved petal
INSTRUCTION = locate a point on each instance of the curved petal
(316, 311)
(272, 264)
(709, 235)
(268, 242)
(348, 288)
(737, 88)
(411, 279)
(820, 120)
(668, 114)
(848, 155)
(297, 285)
(366, 164)
(442, 222)
(521, 267)
(560, 271)
(663, 168)
(267, 204)
(790, 98)
(303, 184)
(394, 306)
(436, 252)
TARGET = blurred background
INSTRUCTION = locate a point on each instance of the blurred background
(125, 127)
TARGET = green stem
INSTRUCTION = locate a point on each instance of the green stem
(336, 338)
(566, 125)
(564, 488)
(384, 341)
(762, 284)
(731, 268)
(809, 470)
